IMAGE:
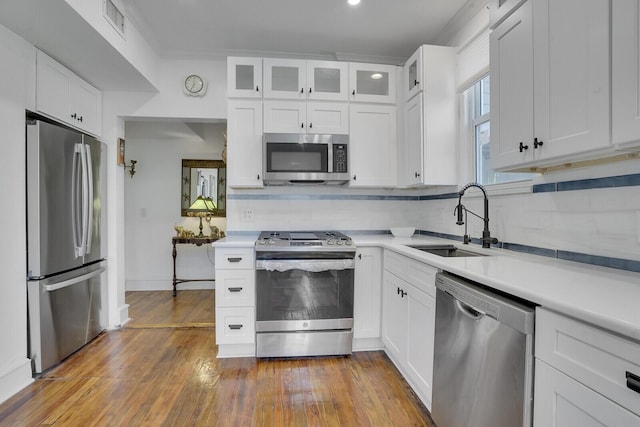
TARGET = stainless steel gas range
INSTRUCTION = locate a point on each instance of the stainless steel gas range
(304, 293)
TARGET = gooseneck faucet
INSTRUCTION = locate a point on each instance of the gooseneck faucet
(486, 234)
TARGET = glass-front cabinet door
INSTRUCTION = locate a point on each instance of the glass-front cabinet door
(413, 75)
(372, 83)
(285, 78)
(327, 80)
(244, 77)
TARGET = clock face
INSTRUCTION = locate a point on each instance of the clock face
(193, 83)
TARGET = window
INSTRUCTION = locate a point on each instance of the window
(478, 98)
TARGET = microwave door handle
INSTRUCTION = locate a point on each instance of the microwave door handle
(89, 201)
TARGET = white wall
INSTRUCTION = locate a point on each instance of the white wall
(18, 63)
(152, 203)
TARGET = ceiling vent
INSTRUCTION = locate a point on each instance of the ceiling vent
(112, 12)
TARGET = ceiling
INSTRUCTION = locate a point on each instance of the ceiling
(386, 31)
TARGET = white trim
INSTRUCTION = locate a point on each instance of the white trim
(14, 378)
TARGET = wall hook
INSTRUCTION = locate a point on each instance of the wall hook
(132, 167)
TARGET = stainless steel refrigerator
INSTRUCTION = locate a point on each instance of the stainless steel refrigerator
(66, 243)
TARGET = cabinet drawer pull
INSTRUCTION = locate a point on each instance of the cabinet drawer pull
(236, 289)
(236, 259)
(633, 382)
(235, 327)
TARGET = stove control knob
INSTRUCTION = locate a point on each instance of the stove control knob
(348, 242)
(272, 242)
(331, 242)
(339, 242)
(260, 242)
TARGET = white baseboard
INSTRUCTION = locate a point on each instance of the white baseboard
(165, 285)
(14, 378)
(367, 344)
(236, 350)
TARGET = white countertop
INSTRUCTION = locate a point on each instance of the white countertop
(605, 297)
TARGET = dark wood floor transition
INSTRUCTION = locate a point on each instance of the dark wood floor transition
(161, 370)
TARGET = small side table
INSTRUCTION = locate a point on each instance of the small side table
(198, 241)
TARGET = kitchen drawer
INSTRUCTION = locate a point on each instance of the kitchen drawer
(235, 258)
(422, 276)
(592, 356)
(419, 274)
(235, 325)
(235, 288)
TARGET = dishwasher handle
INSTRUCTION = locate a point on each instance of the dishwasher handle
(468, 310)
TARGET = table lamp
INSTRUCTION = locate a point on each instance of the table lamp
(201, 207)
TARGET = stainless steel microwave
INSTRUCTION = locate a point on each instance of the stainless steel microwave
(292, 158)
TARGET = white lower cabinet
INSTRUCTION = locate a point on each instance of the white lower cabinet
(235, 301)
(408, 320)
(561, 401)
(367, 306)
(581, 374)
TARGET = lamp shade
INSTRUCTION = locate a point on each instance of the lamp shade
(201, 206)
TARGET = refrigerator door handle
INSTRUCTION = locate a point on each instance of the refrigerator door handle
(85, 199)
(89, 200)
(76, 200)
(66, 283)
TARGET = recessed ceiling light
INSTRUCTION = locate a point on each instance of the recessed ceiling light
(376, 76)
(353, 2)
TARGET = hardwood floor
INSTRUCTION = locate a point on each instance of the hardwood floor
(161, 370)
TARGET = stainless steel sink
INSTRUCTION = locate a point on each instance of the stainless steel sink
(446, 251)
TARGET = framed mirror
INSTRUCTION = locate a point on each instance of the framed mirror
(207, 178)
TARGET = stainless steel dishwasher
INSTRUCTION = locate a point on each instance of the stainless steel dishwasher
(483, 361)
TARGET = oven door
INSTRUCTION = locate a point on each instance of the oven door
(304, 304)
(304, 292)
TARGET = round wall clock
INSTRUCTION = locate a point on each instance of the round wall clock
(194, 85)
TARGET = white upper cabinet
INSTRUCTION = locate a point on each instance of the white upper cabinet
(244, 77)
(500, 9)
(285, 116)
(302, 80)
(63, 95)
(372, 145)
(244, 148)
(328, 80)
(626, 72)
(428, 150)
(372, 83)
(566, 59)
(412, 81)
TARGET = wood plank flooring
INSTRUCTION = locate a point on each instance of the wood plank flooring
(161, 370)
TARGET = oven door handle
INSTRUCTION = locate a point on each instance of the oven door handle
(312, 265)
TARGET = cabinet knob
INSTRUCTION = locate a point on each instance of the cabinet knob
(417, 175)
(80, 118)
(302, 125)
(310, 125)
(258, 177)
(537, 143)
(354, 177)
(257, 89)
(354, 92)
(73, 116)
(523, 147)
(301, 90)
(416, 83)
(359, 256)
(310, 90)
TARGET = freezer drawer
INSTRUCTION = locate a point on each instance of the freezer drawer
(64, 314)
